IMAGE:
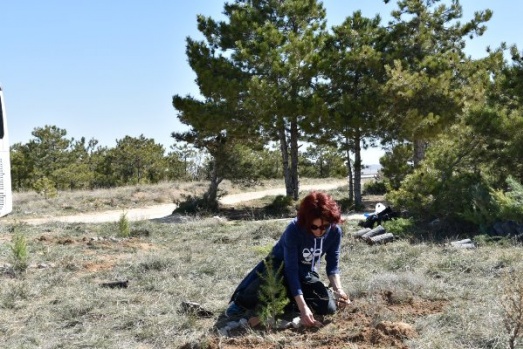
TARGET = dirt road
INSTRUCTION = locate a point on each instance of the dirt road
(160, 211)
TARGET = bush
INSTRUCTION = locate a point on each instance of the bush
(400, 227)
(194, 205)
(490, 206)
(375, 187)
(510, 203)
(45, 187)
(446, 187)
(463, 177)
(345, 204)
(281, 205)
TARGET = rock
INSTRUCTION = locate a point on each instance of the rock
(195, 309)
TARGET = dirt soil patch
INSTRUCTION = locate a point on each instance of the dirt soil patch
(114, 250)
(354, 327)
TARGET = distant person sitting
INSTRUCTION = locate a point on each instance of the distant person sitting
(314, 233)
(381, 215)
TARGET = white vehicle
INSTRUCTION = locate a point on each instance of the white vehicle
(6, 195)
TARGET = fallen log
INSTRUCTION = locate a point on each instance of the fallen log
(376, 231)
(361, 232)
(381, 239)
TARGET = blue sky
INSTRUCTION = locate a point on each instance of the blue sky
(106, 69)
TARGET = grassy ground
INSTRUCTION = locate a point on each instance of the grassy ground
(442, 297)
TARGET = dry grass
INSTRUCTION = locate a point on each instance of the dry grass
(450, 296)
(31, 204)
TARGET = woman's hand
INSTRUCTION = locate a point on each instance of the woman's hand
(307, 318)
(342, 300)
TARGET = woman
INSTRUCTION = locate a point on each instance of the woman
(313, 233)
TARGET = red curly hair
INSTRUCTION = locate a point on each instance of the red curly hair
(318, 205)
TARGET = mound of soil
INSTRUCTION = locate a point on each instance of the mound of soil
(353, 327)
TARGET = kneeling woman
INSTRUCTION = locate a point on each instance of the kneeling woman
(313, 233)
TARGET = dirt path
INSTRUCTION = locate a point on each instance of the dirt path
(160, 211)
(236, 198)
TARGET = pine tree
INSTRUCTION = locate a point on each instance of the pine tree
(256, 73)
(429, 72)
(273, 294)
(354, 71)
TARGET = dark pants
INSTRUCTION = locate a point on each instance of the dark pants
(319, 299)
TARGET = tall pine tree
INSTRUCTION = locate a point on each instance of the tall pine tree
(427, 78)
(259, 69)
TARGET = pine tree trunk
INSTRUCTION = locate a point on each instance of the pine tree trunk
(357, 170)
(419, 151)
(350, 175)
(211, 196)
(285, 161)
(294, 159)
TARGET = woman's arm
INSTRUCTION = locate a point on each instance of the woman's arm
(335, 282)
(333, 251)
(307, 318)
(341, 297)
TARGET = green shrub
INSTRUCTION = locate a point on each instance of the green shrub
(462, 179)
(281, 205)
(489, 206)
(193, 205)
(487, 240)
(345, 204)
(376, 187)
(483, 209)
(510, 203)
(45, 187)
(430, 193)
(400, 227)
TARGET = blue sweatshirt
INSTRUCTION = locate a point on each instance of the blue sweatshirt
(302, 252)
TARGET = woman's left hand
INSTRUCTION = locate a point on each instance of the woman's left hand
(342, 300)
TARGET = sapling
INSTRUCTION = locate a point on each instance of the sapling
(20, 254)
(124, 227)
(273, 294)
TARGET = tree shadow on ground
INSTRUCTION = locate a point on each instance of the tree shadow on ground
(264, 209)
(257, 211)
